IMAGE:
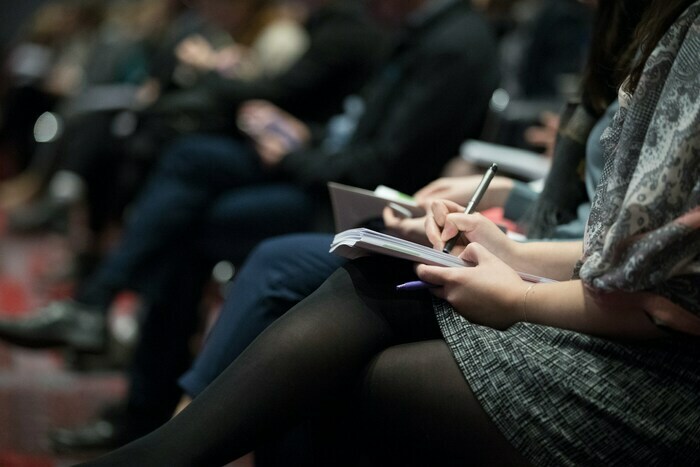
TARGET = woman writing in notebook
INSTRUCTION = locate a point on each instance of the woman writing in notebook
(599, 369)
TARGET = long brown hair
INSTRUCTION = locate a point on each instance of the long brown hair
(609, 58)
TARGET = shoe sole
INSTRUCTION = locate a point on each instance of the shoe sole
(76, 342)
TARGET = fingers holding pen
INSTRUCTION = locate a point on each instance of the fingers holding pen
(467, 224)
(477, 228)
(436, 218)
(437, 275)
(450, 283)
(447, 219)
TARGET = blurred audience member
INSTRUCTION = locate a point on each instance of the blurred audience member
(46, 64)
(429, 95)
(339, 49)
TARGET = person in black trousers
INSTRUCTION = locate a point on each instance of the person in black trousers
(345, 47)
(485, 368)
(430, 95)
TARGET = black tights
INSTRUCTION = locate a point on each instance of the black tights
(357, 335)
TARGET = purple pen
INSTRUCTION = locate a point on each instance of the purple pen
(415, 285)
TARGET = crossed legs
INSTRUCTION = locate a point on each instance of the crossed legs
(354, 334)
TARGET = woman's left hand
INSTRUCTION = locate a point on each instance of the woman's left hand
(490, 293)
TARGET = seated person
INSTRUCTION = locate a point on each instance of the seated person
(340, 48)
(486, 368)
(410, 124)
(282, 271)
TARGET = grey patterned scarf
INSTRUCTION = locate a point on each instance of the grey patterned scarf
(644, 230)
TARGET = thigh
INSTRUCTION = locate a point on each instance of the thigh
(420, 411)
(277, 275)
(241, 218)
(291, 267)
(215, 161)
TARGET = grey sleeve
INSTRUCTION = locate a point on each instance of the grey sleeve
(519, 200)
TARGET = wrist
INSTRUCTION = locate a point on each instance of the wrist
(528, 293)
(514, 304)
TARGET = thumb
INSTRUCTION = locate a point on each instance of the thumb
(436, 275)
(476, 253)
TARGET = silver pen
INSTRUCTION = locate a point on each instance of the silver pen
(476, 197)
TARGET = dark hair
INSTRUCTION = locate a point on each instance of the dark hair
(610, 55)
(657, 19)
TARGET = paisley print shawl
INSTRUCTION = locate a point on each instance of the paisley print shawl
(644, 230)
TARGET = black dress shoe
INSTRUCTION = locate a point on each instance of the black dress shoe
(44, 215)
(60, 324)
(114, 427)
(99, 435)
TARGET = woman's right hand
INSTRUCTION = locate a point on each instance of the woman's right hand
(446, 219)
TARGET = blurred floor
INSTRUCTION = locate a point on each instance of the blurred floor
(38, 391)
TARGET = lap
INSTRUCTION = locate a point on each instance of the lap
(418, 404)
(215, 160)
(239, 219)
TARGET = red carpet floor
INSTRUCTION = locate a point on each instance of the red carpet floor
(38, 391)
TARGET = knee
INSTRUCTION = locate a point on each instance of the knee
(190, 155)
(397, 371)
(273, 251)
(179, 156)
(267, 271)
(293, 254)
(291, 266)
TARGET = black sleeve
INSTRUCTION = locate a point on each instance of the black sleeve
(429, 118)
(336, 50)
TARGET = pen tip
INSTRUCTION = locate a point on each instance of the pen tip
(494, 167)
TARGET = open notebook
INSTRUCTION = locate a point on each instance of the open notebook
(355, 243)
(353, 207)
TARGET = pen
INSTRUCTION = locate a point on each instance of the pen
(415, 285)
(478, 194)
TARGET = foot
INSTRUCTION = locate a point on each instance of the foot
(44, 215)
(60, 324)
(114, 428)
(99, 435)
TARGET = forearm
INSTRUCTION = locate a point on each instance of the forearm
(555, 260)
(569, 305)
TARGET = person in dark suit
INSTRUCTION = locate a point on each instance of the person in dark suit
(430, 95)
(344, 48)
(486, 368)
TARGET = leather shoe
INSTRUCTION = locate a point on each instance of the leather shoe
(44, 215)
(113, 428)
(60, 324)
(99, 435)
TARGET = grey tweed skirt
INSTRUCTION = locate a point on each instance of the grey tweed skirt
(565, 398)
